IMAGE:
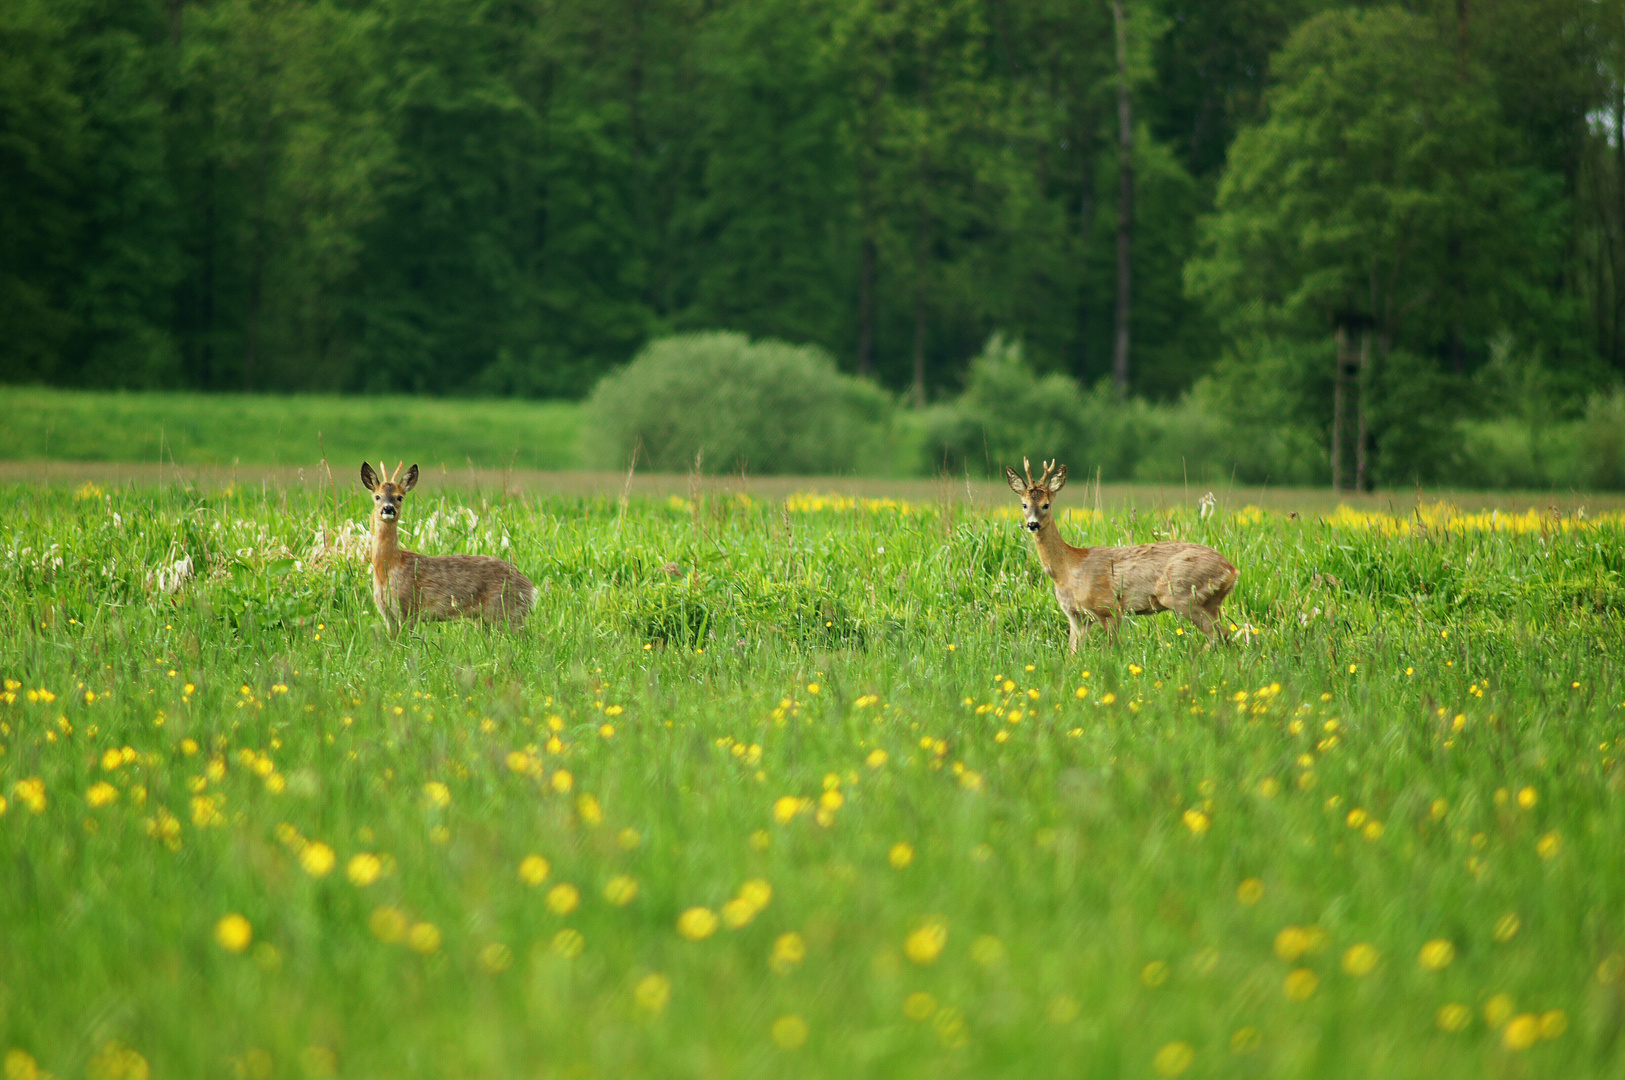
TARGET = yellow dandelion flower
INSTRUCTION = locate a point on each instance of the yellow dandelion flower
(877, 758)
(785, 807)
(789, 1032)
(568, 943)
(20, 1065)
(437, 793)
(563, 781)
(736, 913)
(621, 890)
(1528, 797)
(234, 933)
(901, 855)
(1269, 787)
(387, 924)
(1173, 1059)
(652, 993)
(1196, 821)
(115, 1061)
(1521, 1032)
(1454, 1017)
(1359, 960)
(789, 950)
(31, 793)
(697, 923)
(1549, 845)
(756, 892)
(1291, 943)
(317, 860)
(423, 938)
(496, 957)
(1301, 985)
(364, 869)
(1553, 1023)
(100, 794)
(1250, 891)
(589, 811)
(628, 839)
(533, 870)
(919, 1006)
(1436, 955)
(987, 951)
(1498, 1010)
(831, 800)
(563, 898)
(926, 942)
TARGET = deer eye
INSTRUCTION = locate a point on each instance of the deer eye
(1046, 506)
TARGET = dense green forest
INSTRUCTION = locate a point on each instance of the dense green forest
(1334, 207)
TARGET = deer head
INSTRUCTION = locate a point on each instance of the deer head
(388, 492)
(1036, 495)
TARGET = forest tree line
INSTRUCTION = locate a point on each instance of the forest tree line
(1311, 202)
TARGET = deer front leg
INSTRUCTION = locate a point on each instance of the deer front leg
(1076, 629)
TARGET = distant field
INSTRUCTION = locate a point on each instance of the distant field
(220, 429)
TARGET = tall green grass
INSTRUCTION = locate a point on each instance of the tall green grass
(996, 859)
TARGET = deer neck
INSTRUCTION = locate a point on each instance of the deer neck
(1052, 550)
(386, 545)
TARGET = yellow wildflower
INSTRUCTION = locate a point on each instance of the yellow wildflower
(697, 923)
(926, 942)
(234, 933)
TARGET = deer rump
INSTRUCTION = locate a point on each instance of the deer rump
(458, 586)
(1145, 579)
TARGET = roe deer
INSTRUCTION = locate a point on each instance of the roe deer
(1106, 582)
(407, 586)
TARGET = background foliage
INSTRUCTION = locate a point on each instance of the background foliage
(438, 196)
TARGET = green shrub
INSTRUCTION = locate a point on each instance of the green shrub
(763, 406)
(1602, 442)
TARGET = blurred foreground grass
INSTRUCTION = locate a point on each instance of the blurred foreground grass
(804, 787)
(260, 429)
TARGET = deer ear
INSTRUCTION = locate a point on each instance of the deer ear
(369, 479)
(411, 480)
(1058, 481)
(1016, 484)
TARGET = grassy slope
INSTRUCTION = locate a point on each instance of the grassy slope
(201, 429)
(1085, 858)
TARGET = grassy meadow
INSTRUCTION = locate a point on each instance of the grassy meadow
(189, 429)
(804, 786)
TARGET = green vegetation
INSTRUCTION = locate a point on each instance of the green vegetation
(512, 199)
(219, 429)
(804, 788)
(723, 403)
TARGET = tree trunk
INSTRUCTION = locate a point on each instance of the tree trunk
(922, 236)
(1086, 221)
(866, 307)
(1125, 203)
(1340, 398)
(258, 256)
(1362, 381)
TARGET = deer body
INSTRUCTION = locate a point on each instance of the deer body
(407, 586)
(1102, 584)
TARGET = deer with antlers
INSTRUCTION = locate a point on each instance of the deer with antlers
(407, 586)
(1105, 583)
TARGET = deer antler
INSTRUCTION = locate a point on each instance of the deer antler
(1049, 467)
(1027, 468)
(395, 476)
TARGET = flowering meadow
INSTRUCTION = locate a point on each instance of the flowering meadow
(800, 788)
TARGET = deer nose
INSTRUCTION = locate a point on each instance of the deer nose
(1032, 526)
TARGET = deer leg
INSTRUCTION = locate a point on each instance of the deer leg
(1077, 628)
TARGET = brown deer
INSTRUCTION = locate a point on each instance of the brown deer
(407, 586)
(1105, 583)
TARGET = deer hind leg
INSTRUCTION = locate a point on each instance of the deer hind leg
(1202, 613)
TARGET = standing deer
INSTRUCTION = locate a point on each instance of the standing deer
(407, 586)
(1107, 582)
